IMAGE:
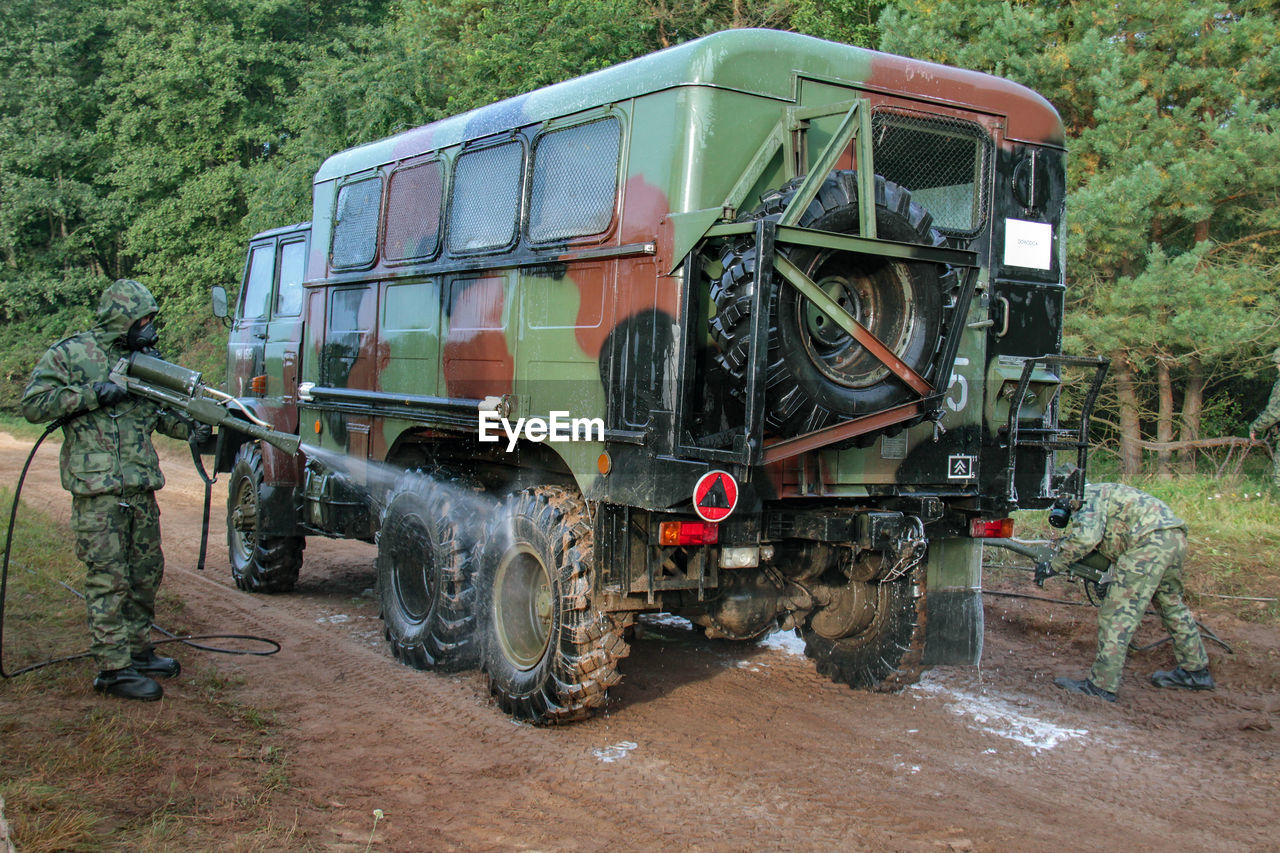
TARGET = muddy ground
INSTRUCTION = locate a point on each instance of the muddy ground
(711, 745)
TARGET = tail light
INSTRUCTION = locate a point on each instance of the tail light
(688, 533)
(999, 528)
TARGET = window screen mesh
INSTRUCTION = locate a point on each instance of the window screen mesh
(575, 181)
(942, 160)
(486, 198)
(355, 223)
(413, 211)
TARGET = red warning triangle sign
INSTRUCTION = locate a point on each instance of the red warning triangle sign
(715, 495)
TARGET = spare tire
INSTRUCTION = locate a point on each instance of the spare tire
(816, 373)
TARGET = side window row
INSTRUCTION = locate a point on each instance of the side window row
(572, 193)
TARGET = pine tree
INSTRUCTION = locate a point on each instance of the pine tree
(1171, 113)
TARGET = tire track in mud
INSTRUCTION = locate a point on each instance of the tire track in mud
(352, 706)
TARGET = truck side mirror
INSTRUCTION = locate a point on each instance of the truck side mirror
(219, 295)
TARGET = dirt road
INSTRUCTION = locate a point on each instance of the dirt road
(710, 745)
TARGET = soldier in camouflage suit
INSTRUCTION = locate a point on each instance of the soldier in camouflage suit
(1146, 544)
(1268, 418)
(110, 467)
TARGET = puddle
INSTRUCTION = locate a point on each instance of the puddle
(1000, 717)
(614, 752)
(784, 641)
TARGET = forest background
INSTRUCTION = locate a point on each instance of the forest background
(150, 138)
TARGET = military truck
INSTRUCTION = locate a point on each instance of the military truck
(760, 330)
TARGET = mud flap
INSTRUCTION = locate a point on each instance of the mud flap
(954, 629)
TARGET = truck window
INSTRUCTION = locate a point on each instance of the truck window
(940, 159)
(355, 223)
(575, 181)
(486, 198)
(293, 262)
(413, 211)
(410, 307)
(257, 282)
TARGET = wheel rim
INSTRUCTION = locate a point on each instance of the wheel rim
(244, 520)
(880, 301)
(411, 576)
(522, 609)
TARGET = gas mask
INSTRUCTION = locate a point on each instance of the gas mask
(1060, 512)
(142, 338)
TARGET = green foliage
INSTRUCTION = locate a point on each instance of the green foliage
(1174, 205)
(849, 21)
(149, 138)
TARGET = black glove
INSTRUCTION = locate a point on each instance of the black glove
(200, 433)
(1044, 571)
(109, 393)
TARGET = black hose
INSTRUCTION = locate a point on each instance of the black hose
(272, 645)
(1203, 628)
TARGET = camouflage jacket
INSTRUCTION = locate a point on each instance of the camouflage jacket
(1270, 416)
(105, 450)
(1114, 518)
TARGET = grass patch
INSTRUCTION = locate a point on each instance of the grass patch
(200, 770)
(20, 427)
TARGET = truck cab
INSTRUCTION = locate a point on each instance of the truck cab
(264, 541)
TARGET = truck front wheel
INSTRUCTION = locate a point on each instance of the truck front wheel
(549, 654)
(259, 563)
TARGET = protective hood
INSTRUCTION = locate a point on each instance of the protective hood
(124, 302)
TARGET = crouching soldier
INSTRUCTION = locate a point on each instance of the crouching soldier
(111, 469)
(1146, 544)
(1268, 418)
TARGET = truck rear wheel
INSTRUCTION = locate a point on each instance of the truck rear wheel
(258, 563)
(549, 654)
(817, 373)
(871, 634)
(425, 584)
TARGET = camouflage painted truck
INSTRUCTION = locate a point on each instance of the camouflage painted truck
(792, 310)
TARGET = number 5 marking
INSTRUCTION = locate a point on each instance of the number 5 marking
(958, 379)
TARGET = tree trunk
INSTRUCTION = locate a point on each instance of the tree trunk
(1192, 407)
(1130, 423)
(1164, 418)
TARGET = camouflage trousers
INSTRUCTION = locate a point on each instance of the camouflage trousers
(1150, 572)
(118, 539)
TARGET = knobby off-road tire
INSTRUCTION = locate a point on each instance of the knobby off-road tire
(550, 655)
(426, 589)
(816, 373)
(885, 655)
(258, 563)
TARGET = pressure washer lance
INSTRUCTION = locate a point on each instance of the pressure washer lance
(1093, 568)
(175, 386)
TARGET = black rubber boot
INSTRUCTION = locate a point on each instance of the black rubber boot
(1085, 686)
(127, 683)
(150, 663)
(1197, 679)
